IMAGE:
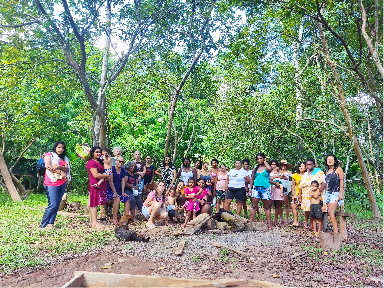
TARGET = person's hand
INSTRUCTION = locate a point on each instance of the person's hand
(322, 209)
(50, 168)
(116, 195)
(135, 187)
(124, 194)
(300, 199)
(340, 198)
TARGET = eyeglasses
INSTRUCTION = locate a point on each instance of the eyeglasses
(121, 162)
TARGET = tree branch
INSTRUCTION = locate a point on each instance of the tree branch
(343, 129)
(21, 154)
(21, 25)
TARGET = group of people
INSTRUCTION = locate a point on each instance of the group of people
(190, 190)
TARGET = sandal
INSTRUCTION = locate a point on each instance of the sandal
(95, 186)
(270, 227)
(115, 222)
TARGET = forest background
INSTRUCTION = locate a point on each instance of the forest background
(203, 79)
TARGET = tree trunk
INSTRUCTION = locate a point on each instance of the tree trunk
(8, 179)
(344, 107)
(295, 49)
(99, 125)
(18, 185)
(171, 113)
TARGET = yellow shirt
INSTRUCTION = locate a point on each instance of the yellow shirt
(297, 179)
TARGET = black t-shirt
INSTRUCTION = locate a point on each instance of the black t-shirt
(131, 180)
(148, 174)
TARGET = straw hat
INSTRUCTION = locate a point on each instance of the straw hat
(285, 162)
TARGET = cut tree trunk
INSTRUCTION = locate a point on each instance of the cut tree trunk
(8, 179)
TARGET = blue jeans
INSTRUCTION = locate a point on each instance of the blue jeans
(54, 195)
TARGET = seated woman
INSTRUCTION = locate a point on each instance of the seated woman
(155, 206)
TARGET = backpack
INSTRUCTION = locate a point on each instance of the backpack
(40, 166)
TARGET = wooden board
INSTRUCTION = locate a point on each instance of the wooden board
(344, 214)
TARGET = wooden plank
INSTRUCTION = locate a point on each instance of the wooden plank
(180, 247)
(199, 221)
(219, 245)
(343, 228)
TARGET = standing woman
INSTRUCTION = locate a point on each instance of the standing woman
(97, 196)
(305, 185)
(277, 195)
(335, 188)
(260, 188)
(221, 182)
(206, 176)
(296, 178)
(149, 170)
(214, 171)
(237, 179)
(167, 172)
(186, 172)
(284, 167)
(55, 179)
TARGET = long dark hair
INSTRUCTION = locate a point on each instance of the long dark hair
(298, 167)
(186, 158)
(200, 166)
(62, 155)
(170, 161)
(164, 192)
(336, 161)
(94, 148)
(258, 155)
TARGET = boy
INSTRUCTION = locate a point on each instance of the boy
(316, 211)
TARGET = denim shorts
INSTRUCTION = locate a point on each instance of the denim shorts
(144, 210)
(285, 191)
(170, 207)
(331, 198)
(261, 192)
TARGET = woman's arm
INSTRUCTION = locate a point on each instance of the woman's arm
(340, 172)
(293, 188)
(179, 173)
(153, 176)
(267, 166)
(252, 178)
(98, 175)
(158, 172)
(226, 183)
(194, 172)
(122, 187)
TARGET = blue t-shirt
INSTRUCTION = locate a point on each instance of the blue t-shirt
(117, 179)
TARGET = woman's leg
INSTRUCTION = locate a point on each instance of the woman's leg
(194, 214)
(255, 208)
(94, 222)
(294, 213)
(126, 208)
(110, 180)
(276, 205)
(132, 200)
(155, 211)
(286, 204)
(239, 205)
(227, 204)
(115, 209)
(331, 212)
(60, 195)
(267, 208)
(306, 217)
(245, 206)
(281, 211)
(218, 204)
(52, 195)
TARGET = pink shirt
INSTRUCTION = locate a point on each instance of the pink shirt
(47, 180)
(153, 196)
(100, 169)
(220, 184)
(187, 191)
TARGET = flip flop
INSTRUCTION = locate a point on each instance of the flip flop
(270, 227)
(150, 226)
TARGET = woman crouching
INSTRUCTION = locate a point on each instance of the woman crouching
(155, 206)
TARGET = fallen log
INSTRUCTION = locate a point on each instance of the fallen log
(196, 224)
(236, 222)
(219, 245)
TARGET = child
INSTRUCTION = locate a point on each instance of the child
(107, 159)
(180, 197)
(171, 202)
(316, 211)
(193, 205)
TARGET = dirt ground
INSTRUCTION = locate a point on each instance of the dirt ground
(272, 258)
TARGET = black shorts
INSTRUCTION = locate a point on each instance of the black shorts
(237, 193)
(315, 211)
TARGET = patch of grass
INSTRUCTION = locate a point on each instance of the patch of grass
(223, 255)
(196, 258)
(23, 244)
(363, 252)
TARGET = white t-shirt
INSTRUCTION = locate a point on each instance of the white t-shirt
(236, 178)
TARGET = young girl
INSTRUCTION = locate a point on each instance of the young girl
(180, 197)
(286, 175)
(277, 195)
(171, 202)
(106, 157)
(193, 205)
